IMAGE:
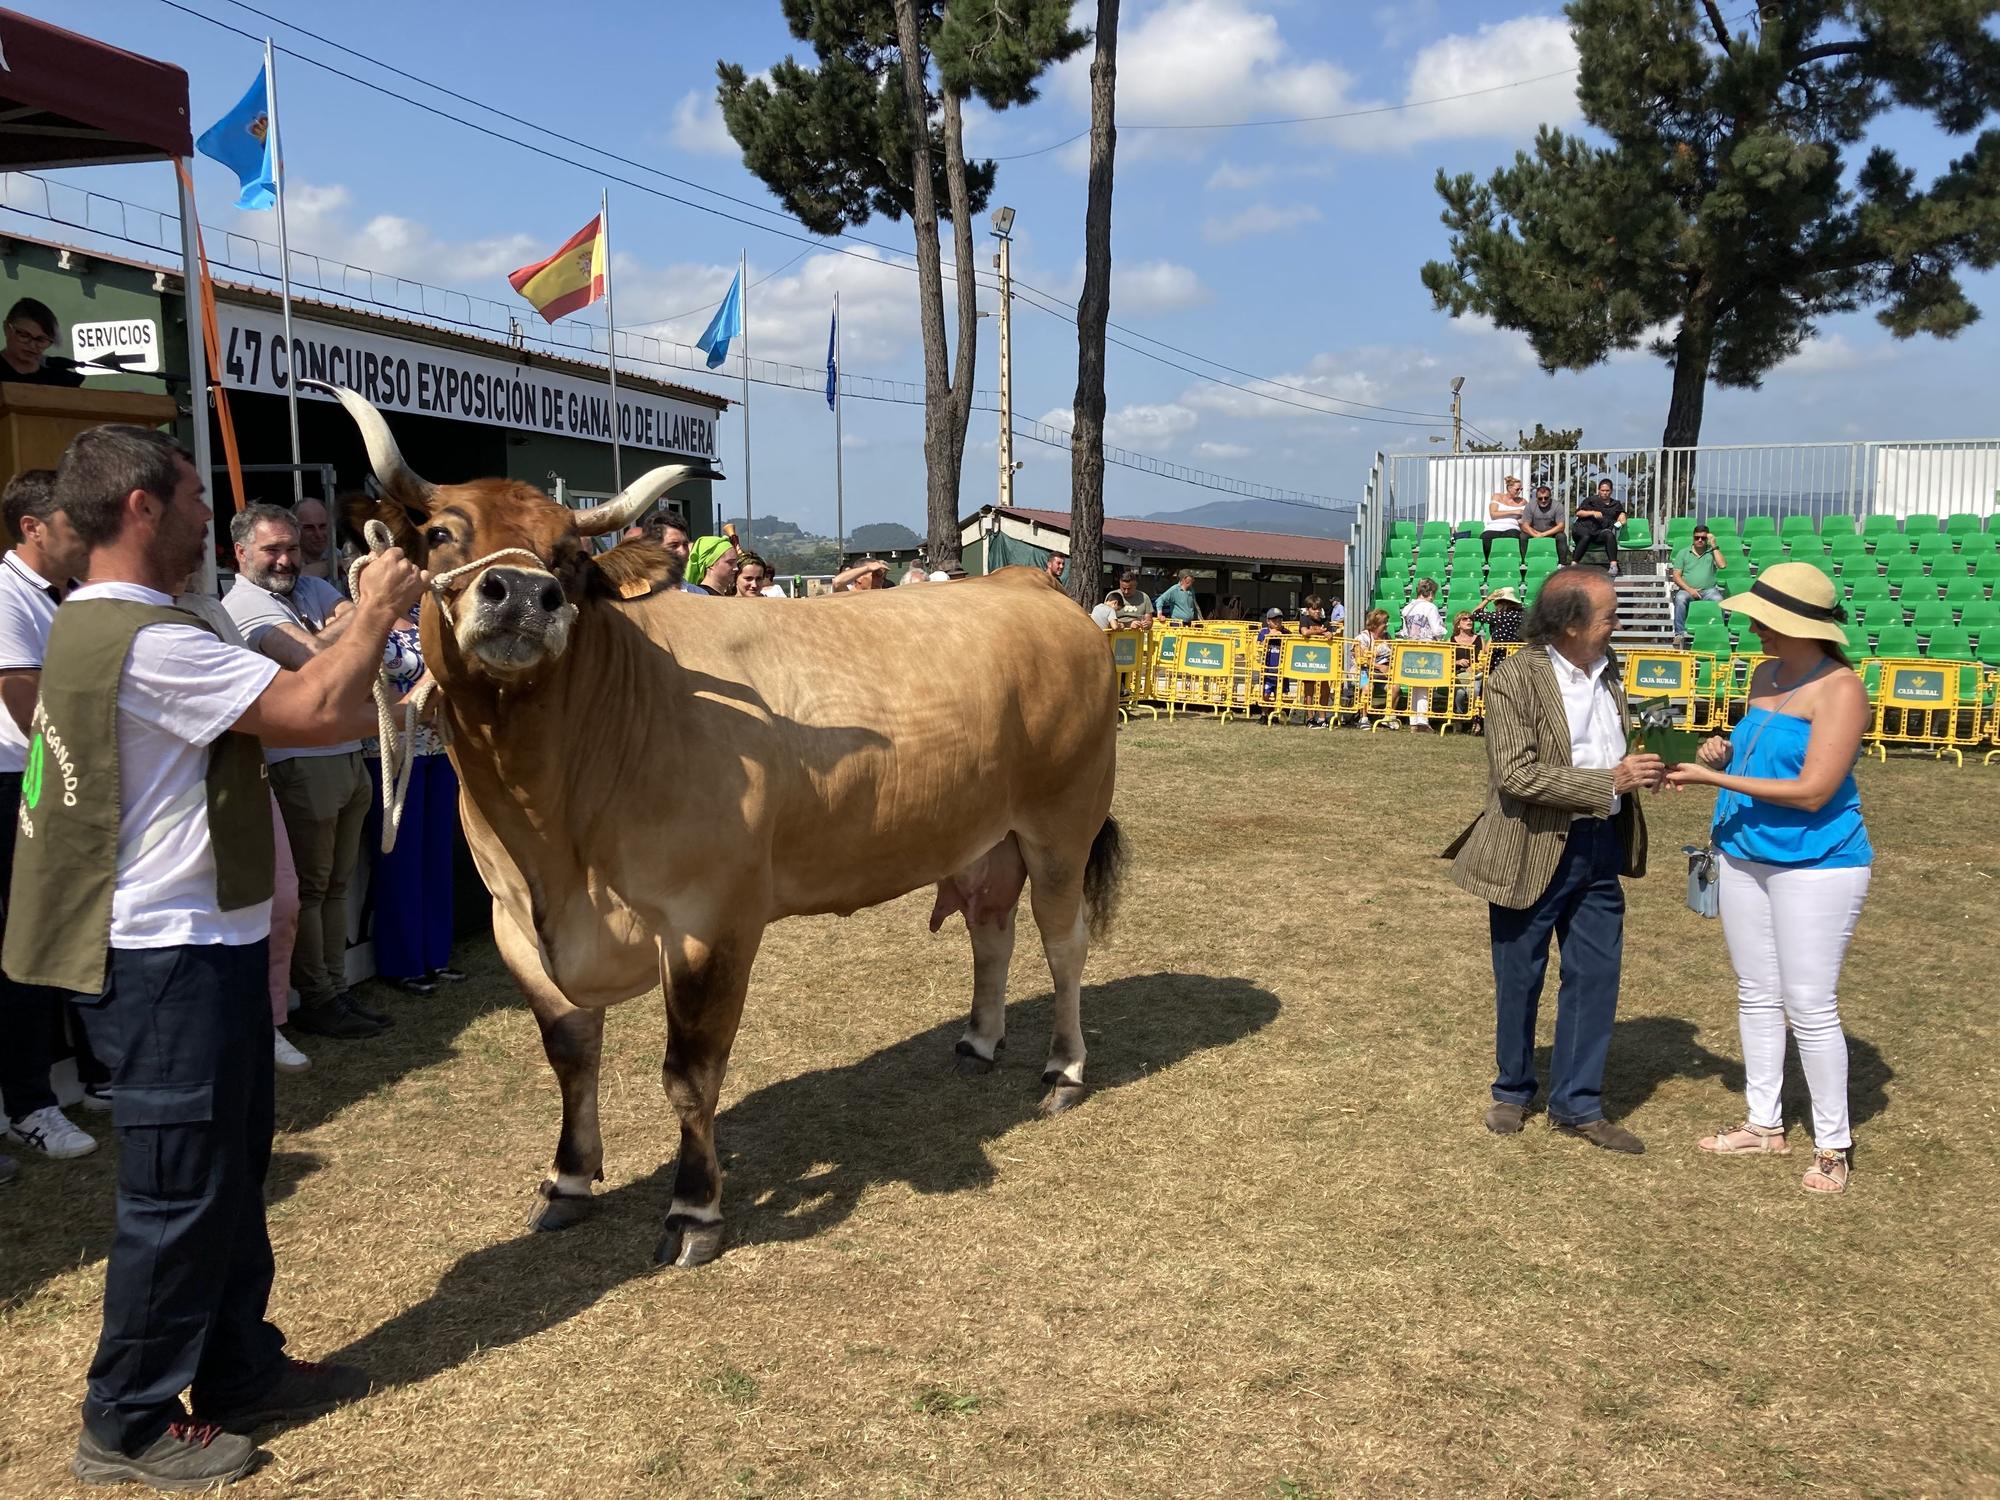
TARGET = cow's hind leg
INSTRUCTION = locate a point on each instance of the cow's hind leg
(1057, 898)
(705, 985)
(987, 893)
(574, 1041)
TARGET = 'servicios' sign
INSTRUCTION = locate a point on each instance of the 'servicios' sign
(426, 379)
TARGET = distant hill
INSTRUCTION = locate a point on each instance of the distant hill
(1261, 515)
(883, 536)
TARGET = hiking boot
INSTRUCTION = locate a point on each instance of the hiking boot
(1503, 1118)
(337, 1021)
(50, 1132)
(348, 1000)
(1606, 1136)
(297, 1388)
(187, 1456)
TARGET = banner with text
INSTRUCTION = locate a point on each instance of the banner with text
(430, 380)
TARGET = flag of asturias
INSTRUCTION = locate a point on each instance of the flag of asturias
(571, 278)
(241, 141)
(725, 325)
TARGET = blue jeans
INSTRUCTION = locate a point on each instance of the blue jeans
(1682, 599)
(1584, 909)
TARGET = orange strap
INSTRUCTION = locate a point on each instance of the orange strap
(212, 339)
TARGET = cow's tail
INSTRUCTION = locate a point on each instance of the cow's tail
(1103, 877)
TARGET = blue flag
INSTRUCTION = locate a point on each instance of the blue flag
(241, 141)
(832, 364)
(725, 325)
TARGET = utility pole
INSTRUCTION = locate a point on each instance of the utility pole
(1457, 427)
(1003, 228)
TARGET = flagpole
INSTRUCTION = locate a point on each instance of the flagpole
(839, 515)
(284, 270)
(610, 337)
(743, 306)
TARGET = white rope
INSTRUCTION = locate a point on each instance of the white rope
(399, 757)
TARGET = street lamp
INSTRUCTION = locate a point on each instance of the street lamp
(1003, 229)
(1457, 385)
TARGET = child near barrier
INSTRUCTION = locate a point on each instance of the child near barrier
(1368, 662)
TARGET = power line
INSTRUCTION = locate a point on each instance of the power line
(820, 242)
(1345, 114)
(706, 306)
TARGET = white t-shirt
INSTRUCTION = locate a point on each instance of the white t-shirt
(1106, 617)
(1509, 518)
(26, 612)
(181, 689)
(309, 606)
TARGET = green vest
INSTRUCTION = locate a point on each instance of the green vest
(66, 856)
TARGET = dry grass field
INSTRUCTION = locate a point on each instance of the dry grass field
(1273, 1254)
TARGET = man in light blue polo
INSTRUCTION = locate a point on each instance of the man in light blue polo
(1177, 606)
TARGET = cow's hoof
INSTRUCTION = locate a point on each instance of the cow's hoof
(554, 1210)
(688, 1242)
(1061, 1096)
(971, 1065)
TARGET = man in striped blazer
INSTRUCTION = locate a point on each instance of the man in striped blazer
(1562, 824)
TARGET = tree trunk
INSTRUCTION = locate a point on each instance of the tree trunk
(940, 468)
(1692, 347)
(964, 357)
(1085, 576)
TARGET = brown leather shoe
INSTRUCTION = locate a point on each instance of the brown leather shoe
(1505, 1119)
(1606, 1136)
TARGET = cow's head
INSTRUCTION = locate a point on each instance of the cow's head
(514, 564)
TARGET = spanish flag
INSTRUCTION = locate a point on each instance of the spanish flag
(571, 278)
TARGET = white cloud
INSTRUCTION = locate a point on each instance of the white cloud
(1525, 47)
(698, 126)
(1258, 218)
(1222, 450)
(1147, 427)
(1836, 354)
(1138, 287)
(1229, 177)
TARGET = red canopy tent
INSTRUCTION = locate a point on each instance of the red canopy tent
(68, 101)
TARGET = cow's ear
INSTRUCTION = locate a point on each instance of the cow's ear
(405, 522)
(633, 569)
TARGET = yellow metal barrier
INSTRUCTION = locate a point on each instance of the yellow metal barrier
(1425, 671)
(1990, 696)
(1130, 663)
(1207, 674)
(1308, 678)
(1916, 704)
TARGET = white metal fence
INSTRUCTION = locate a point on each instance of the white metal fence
(1655, 484)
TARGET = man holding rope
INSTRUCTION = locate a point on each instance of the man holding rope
(142, 885)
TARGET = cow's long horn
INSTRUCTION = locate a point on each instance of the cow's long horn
(391, 473)
(632, 502)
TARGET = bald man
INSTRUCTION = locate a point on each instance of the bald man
(1561, 826)
(317, 559)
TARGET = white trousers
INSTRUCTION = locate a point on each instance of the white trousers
(1788, 931)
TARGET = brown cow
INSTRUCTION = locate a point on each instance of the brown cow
(629, 767)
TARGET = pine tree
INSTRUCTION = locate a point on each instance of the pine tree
(875, 126)
(1721, 211)
(1086, 465)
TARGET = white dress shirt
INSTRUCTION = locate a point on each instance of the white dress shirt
(1596, 734)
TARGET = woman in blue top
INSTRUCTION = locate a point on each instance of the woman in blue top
(1795, 859)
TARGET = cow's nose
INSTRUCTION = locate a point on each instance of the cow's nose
(552, 597)
(521, 588)
(493, 588)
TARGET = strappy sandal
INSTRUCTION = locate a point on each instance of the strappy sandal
(1747, 1140)
(1830, 1169)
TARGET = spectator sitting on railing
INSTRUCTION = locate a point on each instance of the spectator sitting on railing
(1421, 622)
(1368, 660)
(1695, 574)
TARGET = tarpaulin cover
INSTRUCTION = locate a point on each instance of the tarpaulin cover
(68, 101)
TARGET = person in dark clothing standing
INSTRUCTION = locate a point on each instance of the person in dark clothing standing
(145, 817)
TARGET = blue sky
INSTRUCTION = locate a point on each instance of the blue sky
(1291, 252)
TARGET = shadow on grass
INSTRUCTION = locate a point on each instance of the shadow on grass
(803, 1151)
(1646, 1051)
(59, 1215)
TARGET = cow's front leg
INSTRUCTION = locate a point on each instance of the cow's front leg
(573, 1039)
(705, 981)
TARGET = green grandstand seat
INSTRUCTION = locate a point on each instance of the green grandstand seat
(1961, 592)
(1704, 612)
(1873, 617)
(1920, 525)
(1792, 526)
(1759, 526)
(1961, 524)
(1636, 533)
(1982, 620)
(1931, 545)
(1949, 565)
(1949, 644)
(1988, 651)
(1919, 591)
(1928, 619)
(1542, 547)
(1850, 552)
(1857, 642)
(1805, 547)
(1468, 549)
(1901, 569)
(1724, 526)
(1868, 588)
(1711, 639)
(1439, 529)
(1403, 528)
(1890, 547)
(1762, 551)
(1974, 544)
(1877, 527)
(1987, 567)
(1836, 526)
(1680, 531)
(1897, 641)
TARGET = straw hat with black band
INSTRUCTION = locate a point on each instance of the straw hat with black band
(1795, 599)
